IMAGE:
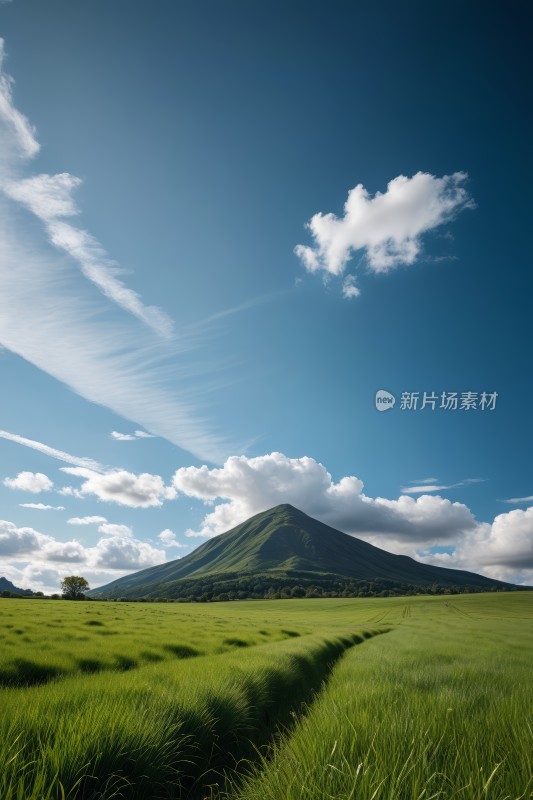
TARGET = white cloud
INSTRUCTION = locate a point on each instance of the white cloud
(122, 437)
(122, 487)
(251, 485)
(168, 539)
(35, 482)
(20, 133)
(49, 197)
(52, 452)
(41, 561)
(41, 507)
(409, 526)
(513, 500)
(103, 361)
(502, 550)
(429, 485)
(125, 553)
(62, 326)
(387, 228)
(349, 287)
(426, 487)
(72, 552)
(113, 529)
(86, 520)
(15, 541)
(130, 437)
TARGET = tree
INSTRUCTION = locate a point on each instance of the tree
(74, 587)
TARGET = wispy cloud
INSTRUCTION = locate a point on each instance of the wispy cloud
(88, 463)
(386, 229)
(513, 500)
(62, 326)
(49, 197)
(94, 520)
(130, 437)
(429, 485)
(22, 138)
(41, 507)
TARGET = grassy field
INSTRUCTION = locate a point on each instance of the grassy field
(43, 639)
(437, 707)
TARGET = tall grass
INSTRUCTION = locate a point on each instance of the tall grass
(441, 707)
(44, 639)
(163, 731)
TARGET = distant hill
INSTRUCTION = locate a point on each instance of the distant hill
(285, 548)
(7, 586)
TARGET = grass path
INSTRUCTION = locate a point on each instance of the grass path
(163, 731)
(440, 708)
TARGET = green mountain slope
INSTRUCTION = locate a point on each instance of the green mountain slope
(281, 542)
(7, 586)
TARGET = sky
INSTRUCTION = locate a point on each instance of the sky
(255, 253)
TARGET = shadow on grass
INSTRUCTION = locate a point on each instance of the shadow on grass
(244, 736)
(23, 672)
(181, 650)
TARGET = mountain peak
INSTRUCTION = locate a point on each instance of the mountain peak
(284, 542)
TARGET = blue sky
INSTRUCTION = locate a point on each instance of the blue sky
(228, 225)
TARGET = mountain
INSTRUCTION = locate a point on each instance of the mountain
(7, 586)
(285, 547)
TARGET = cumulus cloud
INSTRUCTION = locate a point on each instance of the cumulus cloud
(168, 539)
(386, 229)
(35, 482)
(15, 541)
(244, 486)
(130, 437)
(501, 550)
(41, 560)
(349, 287)
(250, 485)
(94, 520)
(125, 553)
(113, 529)
(72, 552)
(122, 487)
(41, 507)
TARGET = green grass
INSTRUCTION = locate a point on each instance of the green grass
(441, 707)
(161, 731)
(436, 708)
(42, 640)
